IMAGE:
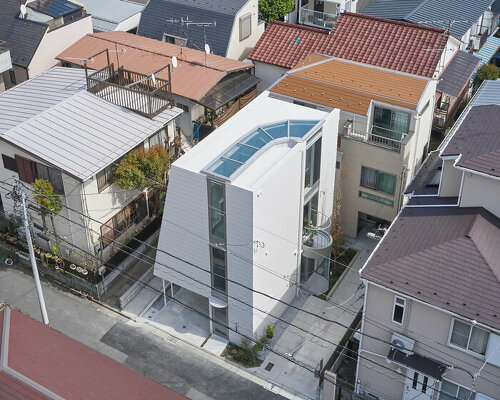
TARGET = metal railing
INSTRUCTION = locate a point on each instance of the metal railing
(318, 235)
(132, 90)
(317, 18)
(375, 135)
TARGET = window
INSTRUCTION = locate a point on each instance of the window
(30, 170)
(398, 311)
(376, 180)
(182, 107)
(174, 39)
(104, 178)
(132, 213)
(452, 391)
(219, 317)
(12, 77)
(313, 164)
(245, 26)
(337, 164)
(216, 210)
(311, 211)
(9, 163)
(376, 198)
(219, 274)
(390, 123)
(469, 337)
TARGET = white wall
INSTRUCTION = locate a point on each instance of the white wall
(129, 23)
(185, 120)
(268, 74)
(450, 180)
(479, 191)
(238, 50)
(54, 42)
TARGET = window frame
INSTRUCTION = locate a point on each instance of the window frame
(467, 350)
(107, 172)
(458, 388)
(244, 19)
(376, 198)
(177, 40)
(377, 181)
(9, 163)
(215, 290)
(396, 297)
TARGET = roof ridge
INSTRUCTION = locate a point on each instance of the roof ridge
(394, 22)
(301, 27)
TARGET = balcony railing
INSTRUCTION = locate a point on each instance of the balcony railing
(374, 135)
(132, 90)
(317, 18)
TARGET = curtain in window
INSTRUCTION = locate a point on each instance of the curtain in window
(478, 340)
(385, 183)
(460, 334)
(369, 178)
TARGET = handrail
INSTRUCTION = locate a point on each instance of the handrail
(365, 133)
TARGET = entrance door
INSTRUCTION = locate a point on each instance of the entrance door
(219, 317)
(418, 386)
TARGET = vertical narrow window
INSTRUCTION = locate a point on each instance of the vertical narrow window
(415, 380)
(399, 310)
(217, 209)
(219, 316)
(12, 77)
(313, 164)
(245, 26)
(219, 276)
(424, 384)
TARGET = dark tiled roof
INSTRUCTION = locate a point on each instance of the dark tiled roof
(455, 15)
(477, 140)
(154, 23)
(285, 44)
(22, 36)
(446, 256)
(54, 8)
(458, 73)
(385, 43)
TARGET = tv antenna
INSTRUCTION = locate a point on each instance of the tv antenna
(23, 11)
(187, 22)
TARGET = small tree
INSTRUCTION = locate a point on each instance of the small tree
(487, 72)
(336, 230)
(275, 9)
(48, 201)
(142, 169)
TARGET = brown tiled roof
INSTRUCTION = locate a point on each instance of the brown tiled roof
(477, 140)
(351, 86)
(444, 256)
(396, 45)
(62, 366)
(191, 79)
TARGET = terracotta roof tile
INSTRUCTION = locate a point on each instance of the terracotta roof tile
(351, 86)
(397, 45)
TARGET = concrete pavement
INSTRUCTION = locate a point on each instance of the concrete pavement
(151, 352)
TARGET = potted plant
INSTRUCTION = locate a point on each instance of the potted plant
(72, 266)
(270, 331)
(259, 347)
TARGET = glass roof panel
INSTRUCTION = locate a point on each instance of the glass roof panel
(257, 138)
(277, 130)
(224, 167)
(240, 152)
(300, 128)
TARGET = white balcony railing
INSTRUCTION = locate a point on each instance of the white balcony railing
(317, 18)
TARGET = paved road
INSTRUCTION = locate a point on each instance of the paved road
(155, 354)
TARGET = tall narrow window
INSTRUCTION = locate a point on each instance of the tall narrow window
(217, 209)
(398, 312)
(219, 277)
(313, 164)
(245, 26)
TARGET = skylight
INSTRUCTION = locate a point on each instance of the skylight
(238, 154)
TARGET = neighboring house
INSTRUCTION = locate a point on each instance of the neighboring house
(208, 88)
(470, 22)
(384, 130)
(5, 62)
(231, 28)
(248, 209)
(114, 15)
(321, 13)
(414, 49)
(37, 36)
(432, 285)
(40, 363)
(61, 128)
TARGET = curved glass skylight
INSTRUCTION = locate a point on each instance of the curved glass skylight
(227, 164)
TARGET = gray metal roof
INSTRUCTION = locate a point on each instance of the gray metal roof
(54, 8)
(154, 23)
(445, 256)
(22, 36)
(456, 15)
(70, 128)
(477, 140)
(458, 73)
(106, 15)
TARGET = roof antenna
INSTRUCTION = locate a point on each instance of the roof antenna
(23, 10)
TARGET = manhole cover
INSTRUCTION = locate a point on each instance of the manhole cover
(269, 366)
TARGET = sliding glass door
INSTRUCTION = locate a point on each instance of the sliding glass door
(391, 124)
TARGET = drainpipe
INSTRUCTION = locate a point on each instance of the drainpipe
(301, 211)
(85, 219)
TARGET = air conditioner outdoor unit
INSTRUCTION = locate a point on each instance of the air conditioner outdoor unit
(402, 343)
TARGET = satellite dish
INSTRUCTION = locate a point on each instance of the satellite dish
(207, 48)
(174, 61)
(153, 78)
(23, 10)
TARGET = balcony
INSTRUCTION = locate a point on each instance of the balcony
(316, 239)
(375, 135)
(321, 14)
(132, 90)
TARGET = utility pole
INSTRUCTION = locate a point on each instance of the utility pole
(19, 194)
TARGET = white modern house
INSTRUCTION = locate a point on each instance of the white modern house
(248, 209)
(63, 129)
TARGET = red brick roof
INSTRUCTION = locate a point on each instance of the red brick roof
(396, 45)
(39, 355)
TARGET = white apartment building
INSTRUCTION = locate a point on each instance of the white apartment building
(248, 209)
